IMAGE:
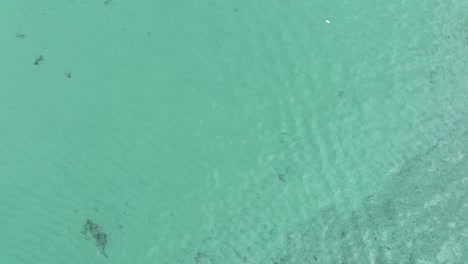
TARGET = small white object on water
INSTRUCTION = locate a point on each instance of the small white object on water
(328, 21)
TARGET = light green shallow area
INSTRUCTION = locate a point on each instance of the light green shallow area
(212, 132)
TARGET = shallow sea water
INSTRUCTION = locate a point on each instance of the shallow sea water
(214, 132)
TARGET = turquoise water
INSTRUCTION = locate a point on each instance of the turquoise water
(216, 132)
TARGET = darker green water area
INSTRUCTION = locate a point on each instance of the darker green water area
(220, 132)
